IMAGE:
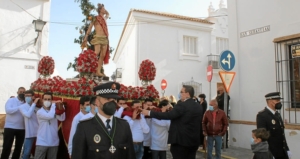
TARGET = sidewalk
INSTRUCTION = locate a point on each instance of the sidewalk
(229, 153)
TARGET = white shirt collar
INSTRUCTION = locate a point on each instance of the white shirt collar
(271, 109)
(104, 119)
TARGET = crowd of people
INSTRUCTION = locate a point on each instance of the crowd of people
(107, 126)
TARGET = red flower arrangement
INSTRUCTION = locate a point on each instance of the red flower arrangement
(147, 71)
(58, 82)
(46, 66)
(85, 86)
(87, 62)
(138, 92)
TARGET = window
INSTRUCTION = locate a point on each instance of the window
(190, 45)
(221, 45)
(287, 62)
(197, 86)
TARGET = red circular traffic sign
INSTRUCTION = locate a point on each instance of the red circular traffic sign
(163, 84)
(209, 73)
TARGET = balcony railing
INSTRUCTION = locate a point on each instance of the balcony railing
(214, 61)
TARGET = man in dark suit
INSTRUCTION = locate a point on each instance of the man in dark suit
(186, 119)
(104, 136)
(271, 120)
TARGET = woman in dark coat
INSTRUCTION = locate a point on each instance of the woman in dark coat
(203, 104)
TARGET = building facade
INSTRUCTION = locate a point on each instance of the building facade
(264, 36)
(20, 47)
(181, 48)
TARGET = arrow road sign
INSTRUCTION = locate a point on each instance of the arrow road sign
(227, 60)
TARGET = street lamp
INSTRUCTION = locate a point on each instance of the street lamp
(38, 25)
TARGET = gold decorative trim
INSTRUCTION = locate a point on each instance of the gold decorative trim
(285, 38)
(243, 122)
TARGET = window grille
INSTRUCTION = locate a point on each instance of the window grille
(190, 45)
(221, 45)
(197, 86)
(287, 63)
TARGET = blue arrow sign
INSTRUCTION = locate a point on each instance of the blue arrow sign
(227, 60)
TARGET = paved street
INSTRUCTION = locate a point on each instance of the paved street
(230, 153)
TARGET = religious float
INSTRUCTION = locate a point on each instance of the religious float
(70, 91)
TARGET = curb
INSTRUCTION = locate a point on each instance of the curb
(224, 156)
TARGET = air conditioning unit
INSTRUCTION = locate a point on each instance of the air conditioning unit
(214, 64)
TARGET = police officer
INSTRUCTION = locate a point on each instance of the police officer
(104, 136)
(271, 120)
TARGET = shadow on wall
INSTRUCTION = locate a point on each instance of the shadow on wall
(16, 50)
(11, 6)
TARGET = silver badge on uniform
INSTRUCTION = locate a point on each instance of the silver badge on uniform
(97, 138)
(273, 122)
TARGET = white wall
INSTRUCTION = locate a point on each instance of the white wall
(17, 48)
(255, 58)
(160, 44)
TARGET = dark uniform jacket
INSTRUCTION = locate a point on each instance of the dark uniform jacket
(186, 118)
(85, 140)
(277, 142)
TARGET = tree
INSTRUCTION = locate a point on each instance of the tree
(86, 7)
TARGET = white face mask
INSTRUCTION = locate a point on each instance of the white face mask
(47, 104)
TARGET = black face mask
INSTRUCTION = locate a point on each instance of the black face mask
(109, 108)
(278, 105)
(218, 92)
(22, 96)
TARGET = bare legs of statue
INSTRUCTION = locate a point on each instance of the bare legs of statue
(100, 50)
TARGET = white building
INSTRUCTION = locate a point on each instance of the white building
(19, 53)
(178, 45)
(264, 36)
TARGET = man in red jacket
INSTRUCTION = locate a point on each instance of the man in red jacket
(214, 126)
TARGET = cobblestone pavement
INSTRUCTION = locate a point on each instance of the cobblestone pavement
(230, 153)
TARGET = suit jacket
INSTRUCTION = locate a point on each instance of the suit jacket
(85, 140)
(186, 119)
(220, 100)
(277, 142)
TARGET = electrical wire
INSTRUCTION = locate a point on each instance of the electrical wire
(23, 9)
(121, 23)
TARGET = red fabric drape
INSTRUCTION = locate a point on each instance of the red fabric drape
(71, 109)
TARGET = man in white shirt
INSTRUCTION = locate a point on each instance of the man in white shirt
(122, 105)
(85, 108)
(28, 110)
(138, 127)
(47, 137)
(14, 127)
(159, 134)
(148, 104)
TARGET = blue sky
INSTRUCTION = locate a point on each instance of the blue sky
(61, 36)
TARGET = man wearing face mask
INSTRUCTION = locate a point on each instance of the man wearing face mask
(214, 126)
(28, 111)
(14, 127)
(104, 136)
(271, 120)
(85, 108)
(47, 137)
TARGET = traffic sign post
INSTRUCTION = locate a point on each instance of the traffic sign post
(227, 63)
(163, 86)
(209, 74)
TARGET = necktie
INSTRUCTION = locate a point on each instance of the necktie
(108, 126)
(279, 117)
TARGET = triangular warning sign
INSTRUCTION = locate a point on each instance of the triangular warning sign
(227, 78)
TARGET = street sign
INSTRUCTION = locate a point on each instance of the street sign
(227, 78)
(163, 84)
(209, 73)
(227, 60)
